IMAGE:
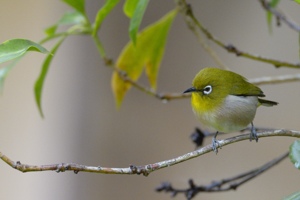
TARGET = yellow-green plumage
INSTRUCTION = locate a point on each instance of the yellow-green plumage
(224, 100)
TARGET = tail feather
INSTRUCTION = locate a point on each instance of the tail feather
(268, 103)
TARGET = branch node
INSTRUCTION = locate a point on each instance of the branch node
(140, 169)
(17, 164)
(62, 167)
(233, 49)
(191, 184)
(108, 61)
(234, 186)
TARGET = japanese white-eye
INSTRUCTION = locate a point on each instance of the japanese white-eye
(225, 101)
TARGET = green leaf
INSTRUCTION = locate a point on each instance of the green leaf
(51, 30)
(147, 53)
(78, 5)
(12, 49)
(297, 1)
(69, 18)
(103, 12)
(129, 7)
(5, 70)
(273, 4)
(295, 153)
(294, 196)
(136, 19)
(38, 87)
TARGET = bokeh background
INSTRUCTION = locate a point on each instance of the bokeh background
(82, 125)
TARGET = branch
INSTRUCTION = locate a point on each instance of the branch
(193, 27)
(186, 10)
(143, 169)
(275, 79)
(160, 96)
(223, 185)
(172, 96)
(279, 15)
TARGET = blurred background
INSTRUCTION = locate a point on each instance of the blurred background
(82, 125)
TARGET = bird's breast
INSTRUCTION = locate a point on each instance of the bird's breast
(233, 114)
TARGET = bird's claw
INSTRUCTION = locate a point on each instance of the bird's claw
(215, 145)
(253, 134)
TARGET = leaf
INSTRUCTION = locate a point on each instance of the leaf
(78, 5)
(51, 30)
(103, 12)
(69, 18)
(294, 196)
(136, 19)
(5, 70)
(12, 49)
(156, 39)
(39, 83)
(297, 1)
(295, 153)
(147, 53)
(273, 4)
(129, 7)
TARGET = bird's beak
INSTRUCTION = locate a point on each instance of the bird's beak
(192, 89)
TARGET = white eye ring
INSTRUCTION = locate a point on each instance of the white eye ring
(207, 89)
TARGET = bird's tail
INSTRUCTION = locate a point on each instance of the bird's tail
(268, 103)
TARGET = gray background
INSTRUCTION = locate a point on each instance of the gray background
(81, 123)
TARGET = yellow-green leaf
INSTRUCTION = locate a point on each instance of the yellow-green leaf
(39, 83)
(103, 12)
(137, 19)
(148, 53)
(78, 5)
(297, 1)
(129, 7)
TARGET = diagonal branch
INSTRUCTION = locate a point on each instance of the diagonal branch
(279, 15)
(143, 169)
(189, 17)
(227, 184)
(275, 79)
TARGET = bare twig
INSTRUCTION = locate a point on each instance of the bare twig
(185, 9)
(275, 79)
(193, 27)
(143, 169)
(279, 15)
(227, 184)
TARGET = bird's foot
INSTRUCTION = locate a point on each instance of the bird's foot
(253, 134)
(215, 145)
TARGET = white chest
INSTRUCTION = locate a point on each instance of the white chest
(234, 114)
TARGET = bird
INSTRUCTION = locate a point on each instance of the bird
(225, 101)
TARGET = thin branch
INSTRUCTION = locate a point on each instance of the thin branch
(172, 96)
(193, 27)
(275, 79)
(231, 183)
(143, 169)
(279, 15)
(160, 96)
(209, 50)
(186, 10)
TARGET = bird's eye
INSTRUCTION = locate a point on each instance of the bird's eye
(207, 89)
